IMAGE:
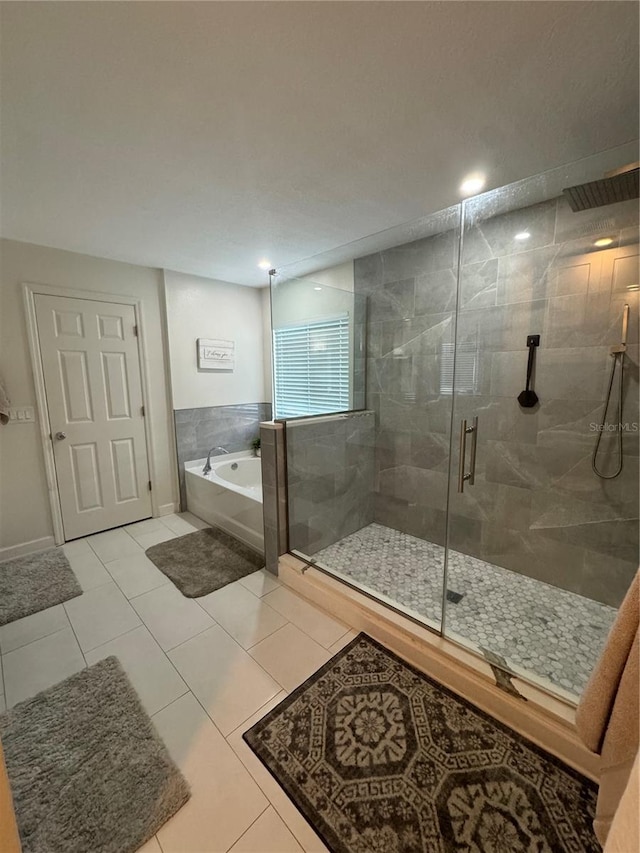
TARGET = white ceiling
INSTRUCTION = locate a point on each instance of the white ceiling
(203, 136)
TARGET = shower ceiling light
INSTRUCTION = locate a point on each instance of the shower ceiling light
(603, 241)
(264, 264)
(472, 184)
(522, 235)
(317, 288)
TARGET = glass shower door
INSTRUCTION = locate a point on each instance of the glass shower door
(368, 490)
(541, 549)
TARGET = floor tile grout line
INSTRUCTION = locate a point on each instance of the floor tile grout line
(282, 817)
(74, 634)
(266, 636)
(37, 640)
(322, 612)
(168, 580)
(242, 649)
(264, 705)
(181, 696)
(182, 642)
(225, 738)
(253, 822)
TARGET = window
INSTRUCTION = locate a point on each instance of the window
(466, 361)
(311, 368)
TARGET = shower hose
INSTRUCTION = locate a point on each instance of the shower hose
(594, 458)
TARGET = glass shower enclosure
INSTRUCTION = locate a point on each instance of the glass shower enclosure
(429, 480)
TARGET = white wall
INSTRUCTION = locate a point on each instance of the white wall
(205, 308)
(24, 506)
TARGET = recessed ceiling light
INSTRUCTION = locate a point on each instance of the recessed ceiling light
(317, 288)
(264, 264)
(472, 184)
(603, 241)
(522, 235)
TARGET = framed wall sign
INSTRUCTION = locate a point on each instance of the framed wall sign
(216, 355)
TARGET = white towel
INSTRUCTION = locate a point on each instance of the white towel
(4, 404)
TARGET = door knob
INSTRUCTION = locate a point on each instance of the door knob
(61, 436)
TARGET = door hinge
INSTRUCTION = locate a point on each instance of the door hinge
(149, 485)
(135, 331)
(142, 410)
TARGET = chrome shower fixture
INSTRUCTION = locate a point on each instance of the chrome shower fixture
(617, 353)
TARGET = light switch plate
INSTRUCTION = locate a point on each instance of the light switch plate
(22, 415)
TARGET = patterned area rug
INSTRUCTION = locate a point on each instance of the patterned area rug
(204, 561)
(35, 582)
(381, 759)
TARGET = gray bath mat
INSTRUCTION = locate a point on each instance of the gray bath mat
(87, 769)
(35, 582)
(204, 561)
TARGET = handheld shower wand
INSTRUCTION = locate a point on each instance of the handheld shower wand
(617, 354)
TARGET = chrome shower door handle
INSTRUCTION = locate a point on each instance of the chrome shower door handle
(471, 475)
(474, 447)
(462, 454)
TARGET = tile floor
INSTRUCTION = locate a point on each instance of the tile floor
(542, 631)
(206, 669)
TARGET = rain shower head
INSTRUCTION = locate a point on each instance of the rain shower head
(620, 186)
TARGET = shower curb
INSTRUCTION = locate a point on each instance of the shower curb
(547, 720)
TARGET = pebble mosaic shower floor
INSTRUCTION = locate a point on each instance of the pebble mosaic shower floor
(539, 629)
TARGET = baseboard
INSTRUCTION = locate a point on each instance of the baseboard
(168, 509)
(547, 721)
(13, 551)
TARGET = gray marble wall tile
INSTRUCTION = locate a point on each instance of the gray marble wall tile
(503, 327)
(578, 373)
(526, 276)
(330, 474)
(435, 292)
(422, 335)
(200, 429)
(608, 222)
(536, 507)
(605, 578)
(478, 285)
(495, 237)
(393, 301)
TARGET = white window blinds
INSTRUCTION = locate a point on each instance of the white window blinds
(311, 368)
(466, 360)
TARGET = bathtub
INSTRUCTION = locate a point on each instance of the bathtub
(229, 496)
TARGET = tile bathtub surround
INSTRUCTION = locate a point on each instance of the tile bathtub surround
(330, 478)
(231, 427)
(536, 507)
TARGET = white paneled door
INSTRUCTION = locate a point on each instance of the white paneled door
(93, 385)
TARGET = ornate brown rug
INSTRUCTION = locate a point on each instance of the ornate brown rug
(381, 759)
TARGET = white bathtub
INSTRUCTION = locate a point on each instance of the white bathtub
(230, 496)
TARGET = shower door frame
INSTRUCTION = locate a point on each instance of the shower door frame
(531, 188)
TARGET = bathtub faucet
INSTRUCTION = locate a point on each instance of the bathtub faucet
(207, 466)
